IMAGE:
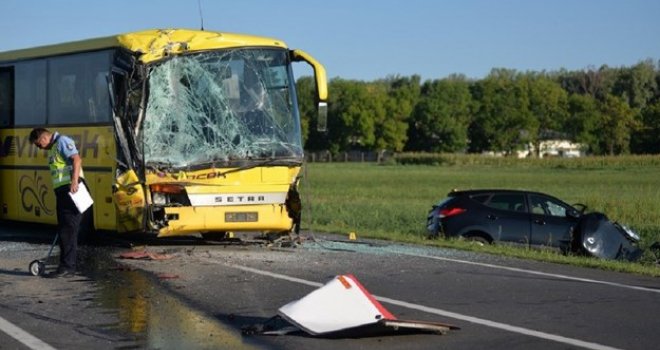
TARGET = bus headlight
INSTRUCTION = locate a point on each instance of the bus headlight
(159, 198)
(169, 194)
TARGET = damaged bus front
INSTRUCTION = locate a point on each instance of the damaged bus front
(208, 135)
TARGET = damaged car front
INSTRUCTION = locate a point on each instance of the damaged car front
(596, 235)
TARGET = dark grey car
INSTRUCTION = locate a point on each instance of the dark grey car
(529, 218)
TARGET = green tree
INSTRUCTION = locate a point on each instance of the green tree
(352, 112)
(504, 121)
(506, 111)
(637, 84)
(373, 115)
(403, 94)
(440, 120)
(646, 140)
(584, 115)
(549, 105)
(596, 82)
(616, 125)
(305, 89)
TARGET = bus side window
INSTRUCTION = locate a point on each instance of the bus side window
(63, 104)
(30, 93)
(100, 102)
(77, 88)
(6, 96)
(118, 92)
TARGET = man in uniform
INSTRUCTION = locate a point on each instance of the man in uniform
(66, 170)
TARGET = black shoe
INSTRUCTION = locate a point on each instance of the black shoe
(61, 273)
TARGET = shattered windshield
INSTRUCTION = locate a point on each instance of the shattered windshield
(219, 107)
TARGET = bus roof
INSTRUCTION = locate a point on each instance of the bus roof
(153, 44)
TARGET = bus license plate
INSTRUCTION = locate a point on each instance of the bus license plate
(242, 217)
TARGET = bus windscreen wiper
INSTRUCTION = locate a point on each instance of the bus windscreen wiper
(262, 162)
(160, 166)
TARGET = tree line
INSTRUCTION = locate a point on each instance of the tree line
(609, 110)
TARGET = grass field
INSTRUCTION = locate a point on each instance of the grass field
(392, 201)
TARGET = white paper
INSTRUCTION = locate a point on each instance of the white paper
(81, 198)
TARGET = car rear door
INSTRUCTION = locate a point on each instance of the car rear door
(508, 218)
(551, 226)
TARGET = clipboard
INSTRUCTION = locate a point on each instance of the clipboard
(82, 199)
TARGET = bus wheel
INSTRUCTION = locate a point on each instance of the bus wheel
(217, 236)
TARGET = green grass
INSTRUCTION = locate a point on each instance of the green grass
(391, 201)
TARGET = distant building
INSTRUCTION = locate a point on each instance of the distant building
(554, 148)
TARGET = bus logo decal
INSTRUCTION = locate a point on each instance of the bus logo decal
(6, 148)
(15, 145)
(34, 189)
(87, 143)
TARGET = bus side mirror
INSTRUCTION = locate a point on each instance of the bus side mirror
(322, 121)
(321, 86)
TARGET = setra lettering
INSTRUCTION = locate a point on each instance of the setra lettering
(239, 199)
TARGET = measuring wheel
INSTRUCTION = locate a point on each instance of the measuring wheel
(37, 268)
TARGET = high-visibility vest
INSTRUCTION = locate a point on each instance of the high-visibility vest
(60, 171)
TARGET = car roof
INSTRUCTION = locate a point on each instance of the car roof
(457, 192)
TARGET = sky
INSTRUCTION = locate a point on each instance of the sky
(373, 39)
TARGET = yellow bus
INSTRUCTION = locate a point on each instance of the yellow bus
(181, 131)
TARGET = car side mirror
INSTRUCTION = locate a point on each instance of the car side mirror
(572, 213)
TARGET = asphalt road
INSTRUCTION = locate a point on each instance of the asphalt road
(201, 295)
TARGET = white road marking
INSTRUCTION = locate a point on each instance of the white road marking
(515, 269)
(499, 325)
(22, 336)
(538, 273)
(431, 310)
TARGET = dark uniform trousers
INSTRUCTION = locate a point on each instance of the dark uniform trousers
(68, 224)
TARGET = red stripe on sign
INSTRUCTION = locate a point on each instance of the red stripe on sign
(343, 281)
(383, 311)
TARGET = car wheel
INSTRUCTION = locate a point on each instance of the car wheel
(478, 240)
(433, 234)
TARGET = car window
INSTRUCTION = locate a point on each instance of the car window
(547, 206)
(481, 198)
(507, 201)
(443, 201)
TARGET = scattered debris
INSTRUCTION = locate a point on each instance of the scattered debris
(122, 268)
(342, 308)
(276, 325)
(145, 255)
(167, 276)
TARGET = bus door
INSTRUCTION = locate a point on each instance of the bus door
(128, 189)
(129, 202)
